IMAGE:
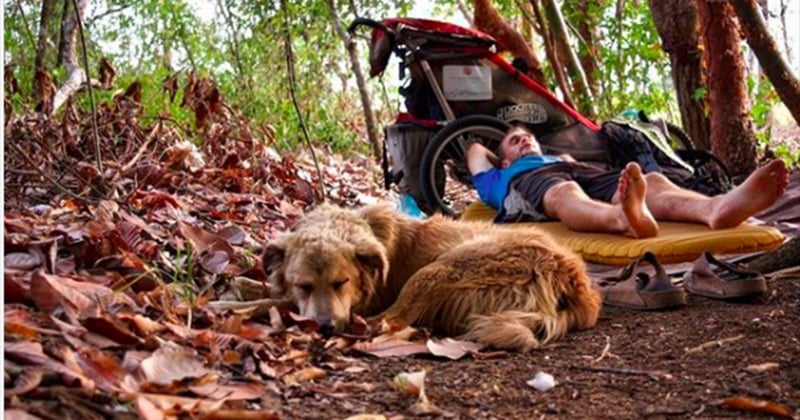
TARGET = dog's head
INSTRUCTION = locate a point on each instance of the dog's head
(329, 265)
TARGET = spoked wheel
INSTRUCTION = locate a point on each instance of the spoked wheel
(444, 178)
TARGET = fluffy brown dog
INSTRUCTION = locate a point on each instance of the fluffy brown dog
(509, 288)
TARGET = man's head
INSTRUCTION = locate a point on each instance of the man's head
(518, 142)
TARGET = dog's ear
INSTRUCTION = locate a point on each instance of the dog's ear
(372, 257)
(382, 220)
(272, 261)
(273, 257)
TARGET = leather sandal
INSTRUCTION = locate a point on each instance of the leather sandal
(717, 279)
(634, 289)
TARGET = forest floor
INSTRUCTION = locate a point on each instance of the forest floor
(110, 278)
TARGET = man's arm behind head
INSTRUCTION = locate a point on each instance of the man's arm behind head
(480, 159)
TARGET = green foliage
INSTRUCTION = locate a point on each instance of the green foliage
(635, 66)
(241, 45)
(765, 101)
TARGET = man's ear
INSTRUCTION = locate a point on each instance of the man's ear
(505, 163)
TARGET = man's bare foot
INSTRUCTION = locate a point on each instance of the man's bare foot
(759, 191)
(632, 189)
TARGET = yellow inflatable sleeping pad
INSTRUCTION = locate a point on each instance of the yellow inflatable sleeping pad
(676, 242)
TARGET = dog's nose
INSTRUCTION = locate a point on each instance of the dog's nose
(326, 330)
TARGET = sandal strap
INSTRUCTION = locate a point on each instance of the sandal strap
(707, 259)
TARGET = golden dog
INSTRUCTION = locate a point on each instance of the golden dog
(509, 288)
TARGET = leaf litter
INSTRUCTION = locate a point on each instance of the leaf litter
(111, 274)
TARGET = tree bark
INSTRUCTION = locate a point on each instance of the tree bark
(678, 27)
(41, 48)
(587, 27)
(561, 40)
(487, 19)
(786, 256)
(732, 137)
(552, 54)
(763, 44)
(69, 56)
(363, 89)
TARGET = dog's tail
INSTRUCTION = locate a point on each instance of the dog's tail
(516, 330)
(521, 330)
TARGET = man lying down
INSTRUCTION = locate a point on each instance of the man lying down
(522, 183)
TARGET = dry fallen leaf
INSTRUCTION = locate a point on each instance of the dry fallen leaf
(169, 364)
(411, 384)
(756, 406)
(28, 380)
(21, 260)
(307, 374)
(452, 349)
(391, 348)
(230, 391)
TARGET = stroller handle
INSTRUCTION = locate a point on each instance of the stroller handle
(374, 24)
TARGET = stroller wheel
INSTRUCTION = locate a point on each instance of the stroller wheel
(444, 178)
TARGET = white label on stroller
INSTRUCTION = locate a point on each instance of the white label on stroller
(467, 83)
(531, 113)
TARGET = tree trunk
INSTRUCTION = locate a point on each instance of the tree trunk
(552, 54)
(41, 48)
(677, 25)
(561, 40)
(587, 26)
(732, 138)
(363, 89)
(487, 19)
(69, 56)
(786, 256)
(770, 59)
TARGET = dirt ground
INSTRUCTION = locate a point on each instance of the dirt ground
(692, 362)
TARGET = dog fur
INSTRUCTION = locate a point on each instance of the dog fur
(505, 287)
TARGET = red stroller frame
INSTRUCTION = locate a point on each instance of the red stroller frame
(427, 146)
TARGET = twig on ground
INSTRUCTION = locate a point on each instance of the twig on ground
(605, 352)
(652, 374)
(258, 307)
(55, 183)
(154, 132)
(713, 343)
(666, 412)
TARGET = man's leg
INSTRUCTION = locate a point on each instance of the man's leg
(567, 202)
(760, 190)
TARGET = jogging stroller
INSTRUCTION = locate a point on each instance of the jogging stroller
(461, 90)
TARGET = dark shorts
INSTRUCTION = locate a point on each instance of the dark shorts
(524, 201)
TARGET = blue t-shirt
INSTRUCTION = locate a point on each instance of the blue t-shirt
(492, 185)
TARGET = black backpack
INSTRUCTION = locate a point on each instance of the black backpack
(647, 142)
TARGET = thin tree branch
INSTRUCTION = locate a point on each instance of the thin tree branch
(289, 54)
(28, 32)
(55, 183)
(111, 11)
(95, 133)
